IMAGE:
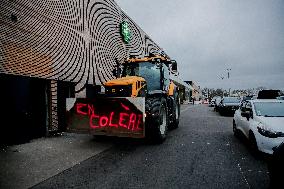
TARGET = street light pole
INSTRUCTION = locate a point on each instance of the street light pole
(229, 69)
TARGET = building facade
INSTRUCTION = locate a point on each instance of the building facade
(195, 91)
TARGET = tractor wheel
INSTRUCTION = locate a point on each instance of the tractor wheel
(158, 127)
(176, 114)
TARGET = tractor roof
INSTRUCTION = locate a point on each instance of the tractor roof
(148, 59)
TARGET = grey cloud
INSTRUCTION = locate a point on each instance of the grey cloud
(208, 36)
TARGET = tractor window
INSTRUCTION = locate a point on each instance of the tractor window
(149, 71)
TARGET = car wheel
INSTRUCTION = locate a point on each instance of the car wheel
(235, 130)
(275, 166)
(253, 144)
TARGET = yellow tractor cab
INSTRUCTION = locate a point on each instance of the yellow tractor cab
(140, 76)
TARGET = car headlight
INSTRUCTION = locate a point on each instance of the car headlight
(267, 132)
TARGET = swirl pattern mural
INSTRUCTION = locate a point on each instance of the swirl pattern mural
(68, 40)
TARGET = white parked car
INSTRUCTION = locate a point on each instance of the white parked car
(262, 122)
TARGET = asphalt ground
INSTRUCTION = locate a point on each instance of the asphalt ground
(201, 153)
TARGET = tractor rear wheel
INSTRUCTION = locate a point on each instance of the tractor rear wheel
(176, 114)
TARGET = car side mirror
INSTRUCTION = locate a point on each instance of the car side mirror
(246, 115)
(251, 114)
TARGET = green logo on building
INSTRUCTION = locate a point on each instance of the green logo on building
(125, 32)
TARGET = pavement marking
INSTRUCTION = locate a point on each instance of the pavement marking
(240, 169)
(243, 175)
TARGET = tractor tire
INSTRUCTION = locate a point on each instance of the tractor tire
(157, 127)
(176, 114)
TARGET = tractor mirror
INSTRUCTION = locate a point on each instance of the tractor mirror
(114, 72)
(174, 65)
(117, 69)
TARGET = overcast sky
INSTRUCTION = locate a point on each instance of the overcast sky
(207, 37)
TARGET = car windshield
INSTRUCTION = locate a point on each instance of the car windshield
(214, 98)
(247, 97)
(269, 109)
(149, 71)
(231, 100)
